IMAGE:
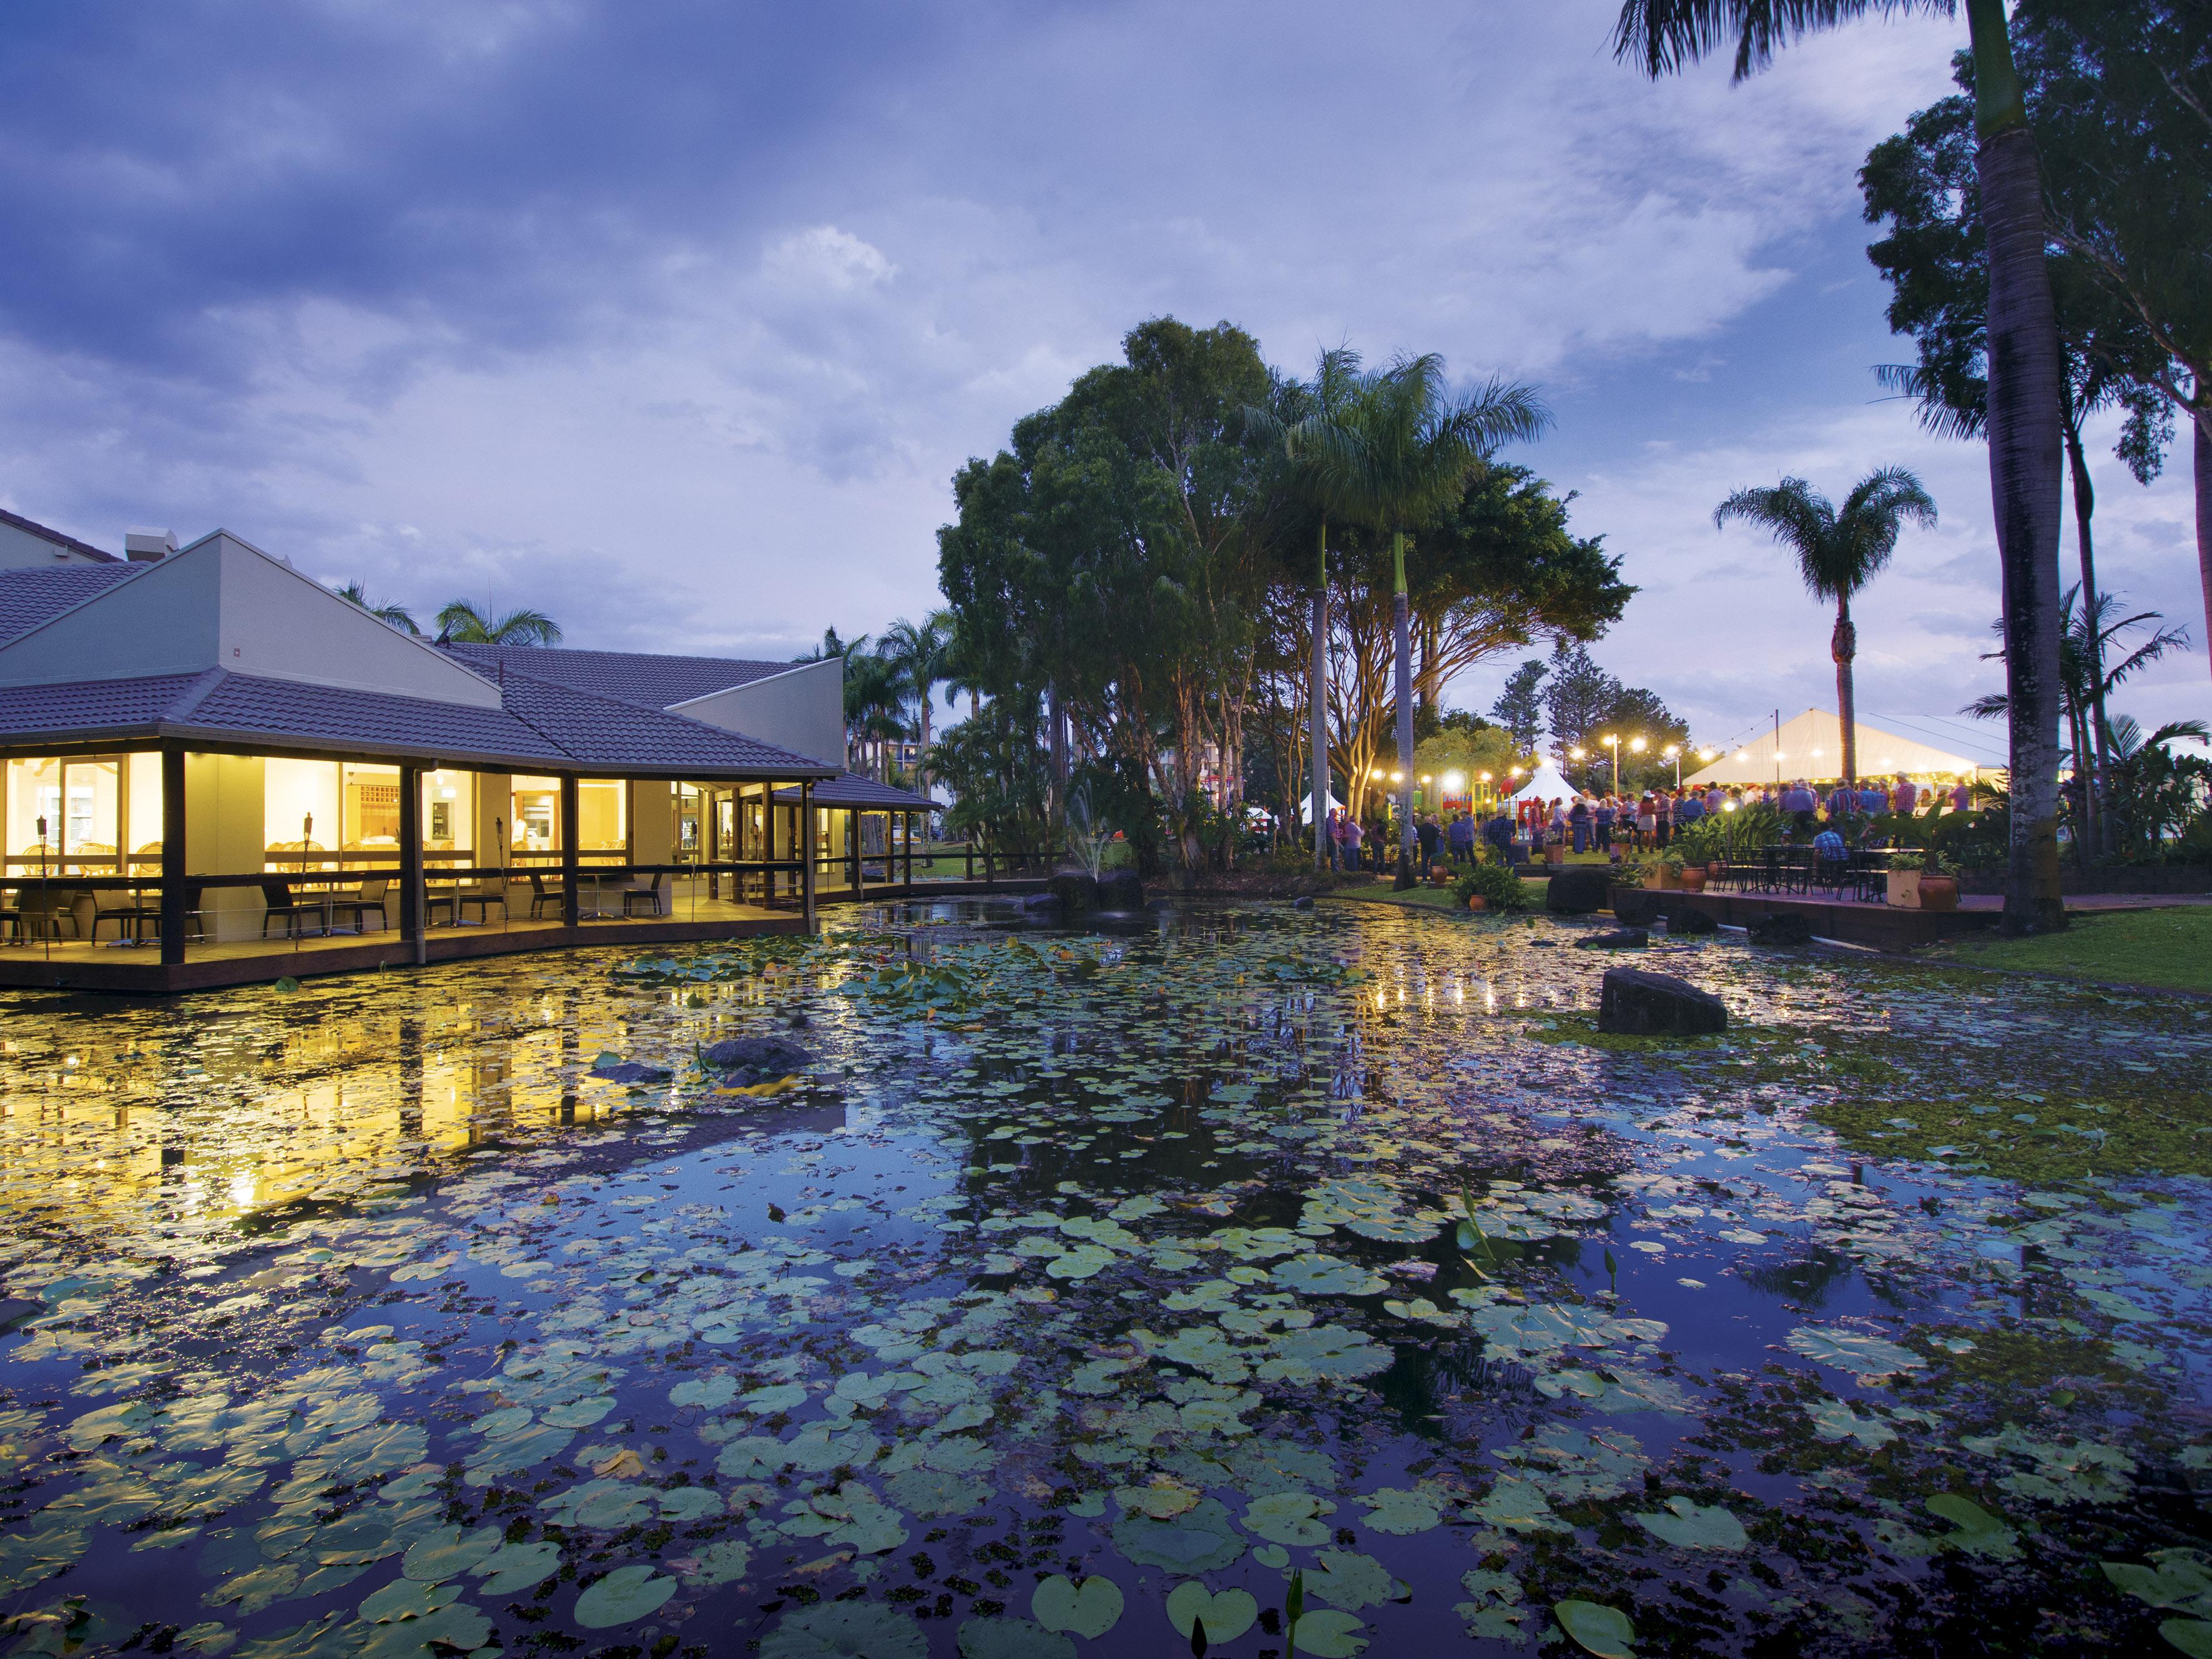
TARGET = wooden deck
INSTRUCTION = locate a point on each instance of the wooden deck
(1884, 926)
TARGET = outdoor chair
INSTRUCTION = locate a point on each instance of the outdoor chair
(358, 905)
(127, 909)
(541, 896)
(644, 900)
(483, 896)
(41, 911)
(11, 915)
(278, 904)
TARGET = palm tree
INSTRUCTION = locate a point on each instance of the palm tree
(2025, 374)
(1316, 441)
(1838, 551)
(922, 655)
(396, 615)
(1410, 448)
(462, 623)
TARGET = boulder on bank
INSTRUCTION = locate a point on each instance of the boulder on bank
(1578, 889)
(1637, 1003)
(1683, 921)
(1620, 938)
(1076, 890)
(757, 1059)
(1121, 890)
(1635, 907)
(1782, 928)
(607, 1069)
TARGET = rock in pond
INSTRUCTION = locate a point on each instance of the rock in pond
(1784, 927)
(1634, 907)
(629, 1071)
(1577, 889)
(759, 1059)
(1120, 891)
(1076, 890)
(1637, 1003)
(1684, 922)
(1303, 902)
(1619, 939)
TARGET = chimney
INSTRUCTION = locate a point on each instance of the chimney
(145, 546)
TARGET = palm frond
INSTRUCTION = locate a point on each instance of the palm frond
(1934, 415)
(1665, 37)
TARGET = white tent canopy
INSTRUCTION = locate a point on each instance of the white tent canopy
(1547, 784)
(1305, 806)
(1811, 746)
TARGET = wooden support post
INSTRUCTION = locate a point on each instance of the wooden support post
(853, 844)
(909, 853)
(807, 840)
(174, 917)
(411, 905)
(768, 810)
(570, 864)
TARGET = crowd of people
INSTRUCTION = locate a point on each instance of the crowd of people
(1606, 823)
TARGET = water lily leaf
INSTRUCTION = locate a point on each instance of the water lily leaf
(1011, 1638)
(1867, 1357)
(447, 1552)
(1834, 1419)
(706, 1392)
(1979, 1533)
(2177, 1579)
(1352, 1581)
(779, 1397)
(578, 1414)
(1228, 1613)
(1090, 1609)
(455, 1628)
(625, 1594)
(1329, 1635)
(2192, 1635)
(930, 1494)
(1203, 1540)
(517, 1566)
(1691, 1526)
(1596, 1628)
(403, 1598)
(1287, 1518)
(1402, 1512)
(845, 1630)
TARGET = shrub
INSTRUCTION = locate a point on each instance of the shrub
(1500, 887)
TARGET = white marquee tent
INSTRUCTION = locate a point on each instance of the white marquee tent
(1811, 745)
(1547, 784)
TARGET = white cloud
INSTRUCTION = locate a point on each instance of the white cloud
(826, 256)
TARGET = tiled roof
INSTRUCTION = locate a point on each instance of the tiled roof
(633, 676)
(47, 533)
(850, 789)
(539, 725)
(607, 731)
(31, 595)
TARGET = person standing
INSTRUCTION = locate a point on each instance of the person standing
(1662, 809)
(1904, 798)
(1353, 835)
(1602, 821)
(1647, 823)
(1463, 838)
(1425, 832)
(1689, 808)
(1578, 820)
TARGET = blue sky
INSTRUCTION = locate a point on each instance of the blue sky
(674, 320)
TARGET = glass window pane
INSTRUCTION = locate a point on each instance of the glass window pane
(34, 792)
(372, 809)
(449, 812)
(536, 815)
(602, 811)
(91, 801)
(144, 836)
(299, 808)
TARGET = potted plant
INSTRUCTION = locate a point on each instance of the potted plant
(1667, 874)
(1939, 883)
(1903, 882)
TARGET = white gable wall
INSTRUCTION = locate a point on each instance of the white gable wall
(223, 603)
(801, 709)
(20, 548)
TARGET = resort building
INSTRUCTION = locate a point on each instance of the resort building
(213, 769)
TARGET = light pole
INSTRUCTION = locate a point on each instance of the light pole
(1674, 754)
(1576, 756)
(1613, 742)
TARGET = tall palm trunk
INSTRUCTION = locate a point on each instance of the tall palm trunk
(1843, 645)
(2025, 410)
(2203, 462)
(1401, 613)
(1317, 701)
(2091, 756)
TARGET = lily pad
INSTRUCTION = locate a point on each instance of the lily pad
(517, 1566)
(1011, 1639)
(1979, 1533)
(1691, 1525)
(1865, 1355)
(1347, 1579)
(2192, 1635)
(625, 1594)
(1228, 1613)
(1327, 1634)
(447, 1552)
(1401, 1512)
(1596, 1628)
(845, 1630)
(1203, 1540)
(1089, 1609)
(1287, 1518)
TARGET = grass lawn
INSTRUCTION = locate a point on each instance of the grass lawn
(2128, 947)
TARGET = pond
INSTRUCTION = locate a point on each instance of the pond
(1112, 1293)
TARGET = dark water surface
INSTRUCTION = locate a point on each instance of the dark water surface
(1088, 1285)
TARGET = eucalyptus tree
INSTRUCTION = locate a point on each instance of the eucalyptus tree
(2025, 462)
(460, 621)
(1410, 448)
(1838, 551)
(1311, 431)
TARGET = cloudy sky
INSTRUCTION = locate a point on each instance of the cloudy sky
(674, 319)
